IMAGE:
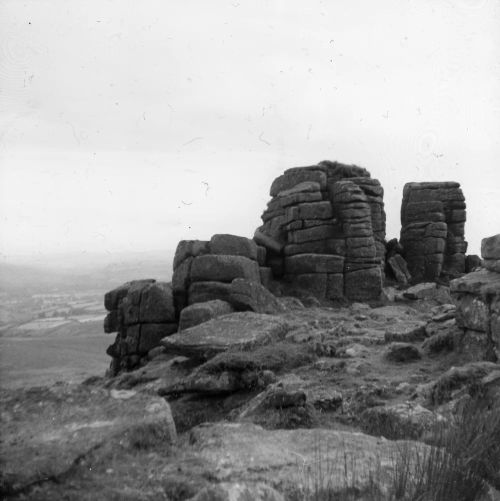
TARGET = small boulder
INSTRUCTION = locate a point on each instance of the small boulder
(472, 262)
(490, 247)
(402, 352)
(399, 269)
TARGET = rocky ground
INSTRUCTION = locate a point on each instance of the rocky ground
(351, 402)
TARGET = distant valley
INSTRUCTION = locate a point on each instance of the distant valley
(51, 313)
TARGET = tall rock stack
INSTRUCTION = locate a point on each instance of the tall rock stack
(375, 198)
(141, 312)
(362, 267)
(325, 226)
(432, 234)
(477, 296)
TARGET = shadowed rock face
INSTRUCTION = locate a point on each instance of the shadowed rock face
(477, 296)
(324, 231)
(141, 312)
(432, 233)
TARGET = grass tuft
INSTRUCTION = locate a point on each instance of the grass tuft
(460, 465)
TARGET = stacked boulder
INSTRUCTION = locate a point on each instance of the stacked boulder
(141, 312)
(224, 274)
(210, 279)
(432, 234)
(477, 296)
(324, 230)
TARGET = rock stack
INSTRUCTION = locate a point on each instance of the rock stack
(323, 235)
(141, 312)
(477, 296)
(432, 234)
(324, 230)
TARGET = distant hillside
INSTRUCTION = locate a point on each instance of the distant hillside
(82, 272)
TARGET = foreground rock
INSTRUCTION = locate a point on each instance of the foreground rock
(58, 438)
(243, 330)
(285, 459)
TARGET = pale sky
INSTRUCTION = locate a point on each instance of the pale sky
(127, 125)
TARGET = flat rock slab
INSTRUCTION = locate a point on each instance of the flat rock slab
(245, 451)
(242, 330)
(51, 428)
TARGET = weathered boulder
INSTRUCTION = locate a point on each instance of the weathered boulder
(246, 450)
(399, 269)
(490, 247)
(61, 439)
(198, 313)
(490, 251)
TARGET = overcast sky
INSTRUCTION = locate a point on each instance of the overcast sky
(127, 126)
